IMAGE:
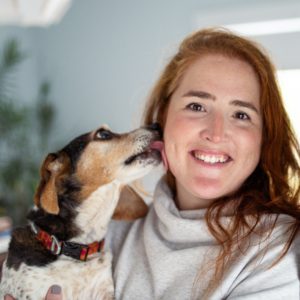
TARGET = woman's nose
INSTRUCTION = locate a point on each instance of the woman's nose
(215, 129)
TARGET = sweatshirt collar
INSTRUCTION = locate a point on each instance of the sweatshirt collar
(176, 225)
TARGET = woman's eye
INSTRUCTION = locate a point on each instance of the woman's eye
(104, 134)
(242, 116)
(195, 107)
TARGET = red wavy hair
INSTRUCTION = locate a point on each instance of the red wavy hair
(274, 187)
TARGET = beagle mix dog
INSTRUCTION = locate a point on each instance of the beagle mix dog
(80, 190)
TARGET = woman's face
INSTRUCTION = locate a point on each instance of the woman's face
(213, 130)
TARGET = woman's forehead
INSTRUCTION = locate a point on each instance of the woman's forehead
(213, 73)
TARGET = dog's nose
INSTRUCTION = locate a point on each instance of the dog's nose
(155, 127)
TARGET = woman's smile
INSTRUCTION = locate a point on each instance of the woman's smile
(210, 158)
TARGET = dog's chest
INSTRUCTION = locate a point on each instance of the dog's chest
(79, 280)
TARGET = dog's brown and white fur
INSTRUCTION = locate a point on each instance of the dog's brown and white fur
(78, 194)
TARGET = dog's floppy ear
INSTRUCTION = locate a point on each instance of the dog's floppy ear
(46, 193)
(131, 205)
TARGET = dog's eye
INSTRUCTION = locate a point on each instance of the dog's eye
(104, 134)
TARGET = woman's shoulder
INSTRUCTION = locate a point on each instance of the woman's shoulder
(270, 267)
(272, 222)
(281, 223)
(287, 227)
(277, 228)
(281, 235)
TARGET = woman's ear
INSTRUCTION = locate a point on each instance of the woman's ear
(131, 205)
(46, 193)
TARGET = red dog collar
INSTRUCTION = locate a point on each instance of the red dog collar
(74, 250)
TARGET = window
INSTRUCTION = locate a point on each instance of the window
(289, 81)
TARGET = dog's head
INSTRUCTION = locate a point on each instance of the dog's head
(93, 160)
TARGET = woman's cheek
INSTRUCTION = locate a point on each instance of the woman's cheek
(164, 158)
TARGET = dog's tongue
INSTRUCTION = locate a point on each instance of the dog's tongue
(159, 145)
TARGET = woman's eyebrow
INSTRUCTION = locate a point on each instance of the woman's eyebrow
(205, 95)
(199, 94)
(245, 104)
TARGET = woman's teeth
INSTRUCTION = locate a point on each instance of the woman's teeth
(211, 159)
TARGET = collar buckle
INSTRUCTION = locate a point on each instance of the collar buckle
(55, 245)
(75, 250)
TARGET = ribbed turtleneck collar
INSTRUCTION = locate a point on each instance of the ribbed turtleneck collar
(175, 225)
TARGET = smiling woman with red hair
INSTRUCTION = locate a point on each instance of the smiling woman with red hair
(224, 222)
(271, 190)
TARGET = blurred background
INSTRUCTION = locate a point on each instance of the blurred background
(68, 66)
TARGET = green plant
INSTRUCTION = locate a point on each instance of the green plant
(24, 133)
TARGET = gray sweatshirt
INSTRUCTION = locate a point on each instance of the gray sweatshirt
(167, 256)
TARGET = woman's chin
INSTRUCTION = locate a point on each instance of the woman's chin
(209, 189)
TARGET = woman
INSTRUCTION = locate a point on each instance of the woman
(225, 218)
